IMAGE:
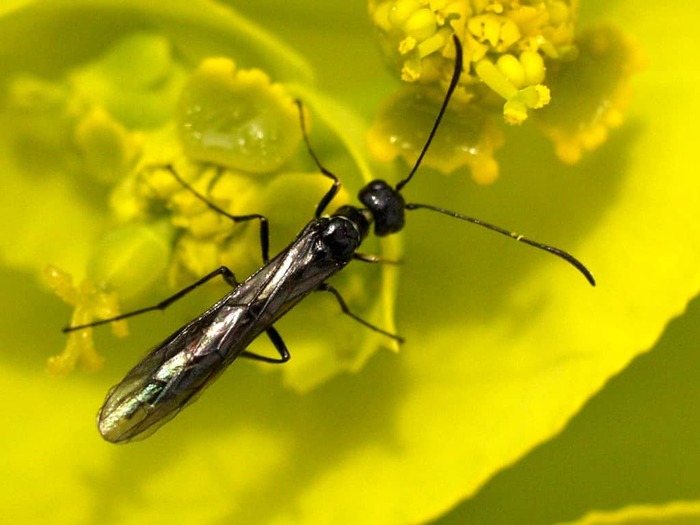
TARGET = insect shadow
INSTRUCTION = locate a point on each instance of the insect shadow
(177, 370)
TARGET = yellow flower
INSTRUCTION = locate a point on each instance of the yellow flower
(506, 44)
(504, 345)
(514, 51)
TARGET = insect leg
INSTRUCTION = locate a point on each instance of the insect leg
(264, 225)
(276, 339)
(325, 287)
(328, 197)
(227, 274)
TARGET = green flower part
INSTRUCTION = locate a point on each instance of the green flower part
(131, 258)
(505, 44)
(591, 93)
(87, 123)
(237, 118)
(137, 81)
(468, 136)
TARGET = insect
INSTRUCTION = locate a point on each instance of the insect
(173, 374)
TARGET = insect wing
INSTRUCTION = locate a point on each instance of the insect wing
(175, 372)
(171, 376)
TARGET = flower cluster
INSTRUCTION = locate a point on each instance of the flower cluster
(218, 127)
(505, 44)
(514, 55)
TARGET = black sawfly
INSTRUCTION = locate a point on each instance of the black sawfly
(181, 367)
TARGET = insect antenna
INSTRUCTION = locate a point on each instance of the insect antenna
(541, 246)
(453, 84)
(515, 236)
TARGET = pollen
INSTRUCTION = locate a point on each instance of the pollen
(89, 303)
(206, 238)
(507, 45)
